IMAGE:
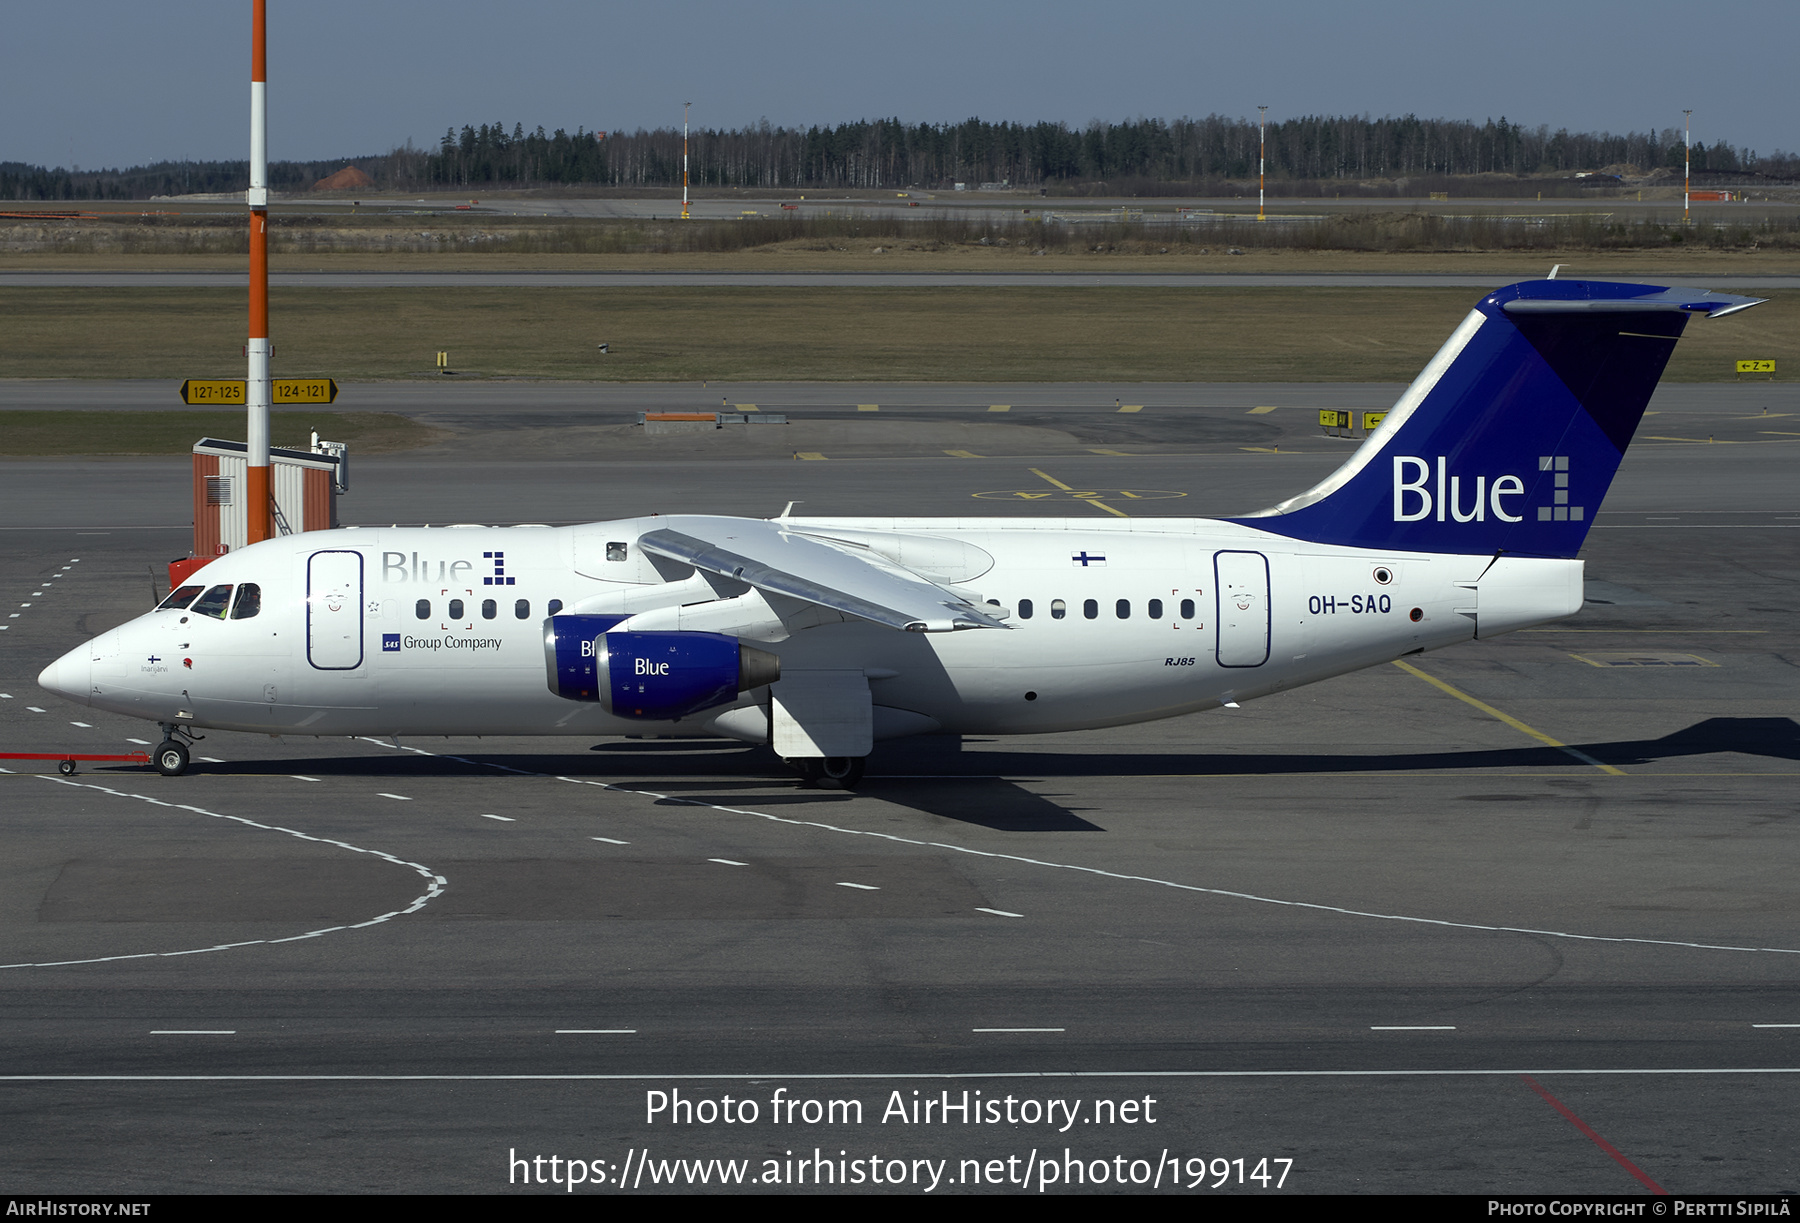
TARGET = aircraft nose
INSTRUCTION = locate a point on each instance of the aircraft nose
(71, 675)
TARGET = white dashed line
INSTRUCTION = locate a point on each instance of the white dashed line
(596, 1031)
(295, 776)
(1018, 1029)
(861, 887)
(727, 862)
(193, 1031)
(403, 798)
(34, 709)
(503, 818)
(1416, 1027)
(5, 696)
(1775, 1025)
(140, 742)
(609, 840)
(83, 725)
(212, 760)
(1196, 889)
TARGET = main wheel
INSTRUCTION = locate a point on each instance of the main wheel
(810, 768)
(841, 772)
(171, 758)
(66, 767)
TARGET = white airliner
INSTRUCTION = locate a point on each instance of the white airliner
(1459, 518)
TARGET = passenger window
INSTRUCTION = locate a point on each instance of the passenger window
(1187, 609)
(615, 551)
(1058, 609)
(422, 609)
(1123, 609)
(489, 609)
(522, 608)
(1155, 609)
(212, 603)
(555, 606)
(180, 598)
(456, 609)
(249, 601)
(1024, 609)
(1091, 608)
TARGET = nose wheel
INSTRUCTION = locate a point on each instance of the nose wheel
(171, 758)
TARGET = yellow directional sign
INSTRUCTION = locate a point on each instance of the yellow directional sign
(230, 391)
(304, 390)
(1334, 420)
(1756, 367)
(213, 391)
(1372, 421)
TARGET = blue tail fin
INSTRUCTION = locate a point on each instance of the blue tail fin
(1510, 437)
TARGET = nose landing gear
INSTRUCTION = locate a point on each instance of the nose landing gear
(171, 756)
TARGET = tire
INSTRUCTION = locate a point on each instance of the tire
(66, 767)
(841, 772)
(171, 758)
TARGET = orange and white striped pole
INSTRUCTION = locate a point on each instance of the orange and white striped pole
(259, 487)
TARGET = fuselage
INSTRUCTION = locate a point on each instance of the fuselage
(441, 631)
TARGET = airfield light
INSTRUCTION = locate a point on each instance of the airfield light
(1687, 162)
(684, 159)
(1262, 153)
(258, 486)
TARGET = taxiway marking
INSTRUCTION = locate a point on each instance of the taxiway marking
(1507, 718)
(1095, 500)
(432, 891)
(1598, 1141)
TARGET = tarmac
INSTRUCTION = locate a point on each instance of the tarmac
(1517, 918)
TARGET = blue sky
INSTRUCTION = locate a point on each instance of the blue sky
(109, 83)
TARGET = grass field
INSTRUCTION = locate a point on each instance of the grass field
(732, 334)
(29, 433)
(1693, 265)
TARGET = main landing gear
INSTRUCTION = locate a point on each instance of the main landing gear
(171, 755)
(829, 772)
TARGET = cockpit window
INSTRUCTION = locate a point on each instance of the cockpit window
(180, 598)
(212, 603)
(249, 601)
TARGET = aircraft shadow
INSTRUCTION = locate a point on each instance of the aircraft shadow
(937, 776)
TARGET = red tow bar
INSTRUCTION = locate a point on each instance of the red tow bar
(66, 760)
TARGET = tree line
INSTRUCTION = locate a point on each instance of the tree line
(1138, 156)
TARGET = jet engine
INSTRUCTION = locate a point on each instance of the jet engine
(651, 676)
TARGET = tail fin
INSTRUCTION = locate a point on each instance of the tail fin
(1510, 437)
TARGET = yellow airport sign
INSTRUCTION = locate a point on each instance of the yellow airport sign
(304, 390)
(212, 391)
(1333, 420)
(1372, 420)
(229, 392)
(1756, 367)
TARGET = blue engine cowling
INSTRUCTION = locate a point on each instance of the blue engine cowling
(652, 676)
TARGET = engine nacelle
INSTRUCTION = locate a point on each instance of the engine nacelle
(652, 676)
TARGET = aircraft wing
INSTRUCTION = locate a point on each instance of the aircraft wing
(772, 556)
